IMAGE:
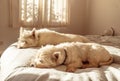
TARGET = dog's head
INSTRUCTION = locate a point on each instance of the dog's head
(27, 38)
(48, 56)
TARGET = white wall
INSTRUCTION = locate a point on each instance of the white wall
(104, 14)
(7, 34)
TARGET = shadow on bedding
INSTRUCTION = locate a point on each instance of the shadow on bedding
(28, 77)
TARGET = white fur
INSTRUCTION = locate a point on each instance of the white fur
(41, 37)
(77, 54)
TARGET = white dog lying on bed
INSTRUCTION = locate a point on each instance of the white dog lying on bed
(30, 38)
(73, 55)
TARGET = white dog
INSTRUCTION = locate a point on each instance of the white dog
(73, 55)
(30, 38)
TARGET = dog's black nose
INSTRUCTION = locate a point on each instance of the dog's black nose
(32, 65)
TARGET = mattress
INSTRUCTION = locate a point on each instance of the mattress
(15, 65)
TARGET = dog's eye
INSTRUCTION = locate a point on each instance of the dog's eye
(41, 61)
(25, 42)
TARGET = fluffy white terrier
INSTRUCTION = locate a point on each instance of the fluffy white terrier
(30, 38)
(74, 55)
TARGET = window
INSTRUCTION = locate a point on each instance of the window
(43, 13)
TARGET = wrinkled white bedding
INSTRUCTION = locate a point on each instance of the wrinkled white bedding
(14, 65)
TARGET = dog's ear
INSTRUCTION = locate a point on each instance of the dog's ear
(21, 30)
(56, 55)
(34, 33)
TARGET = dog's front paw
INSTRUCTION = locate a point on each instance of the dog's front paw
(71, 69)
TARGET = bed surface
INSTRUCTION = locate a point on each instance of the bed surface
(15, 65)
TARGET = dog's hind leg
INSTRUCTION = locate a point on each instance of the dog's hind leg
(107, 62)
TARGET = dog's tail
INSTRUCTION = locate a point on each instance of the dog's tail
(107, 62)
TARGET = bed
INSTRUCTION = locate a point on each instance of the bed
(15, 65)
